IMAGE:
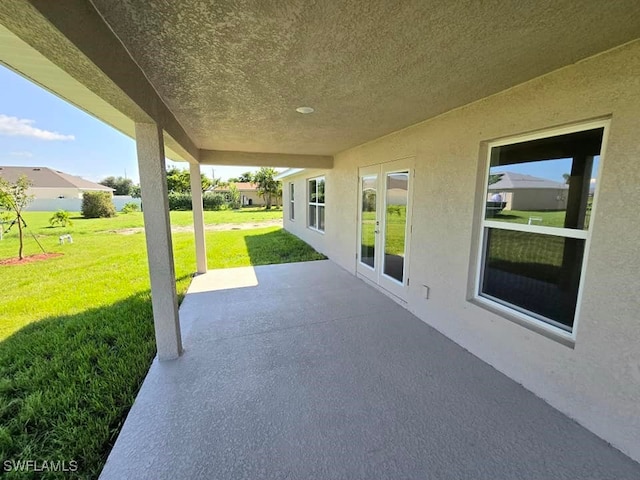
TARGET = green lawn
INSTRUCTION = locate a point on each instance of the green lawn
(76, 335)
(547, 219)
(396, 224)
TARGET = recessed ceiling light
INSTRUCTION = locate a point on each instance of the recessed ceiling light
(305, 110)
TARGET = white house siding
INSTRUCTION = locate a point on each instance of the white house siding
(598, 381)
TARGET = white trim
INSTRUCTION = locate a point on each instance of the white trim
(288, 173)
(501, 307)
(548, 132)
(292, 202)
(523, 227)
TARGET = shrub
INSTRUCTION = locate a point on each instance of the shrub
(61, 217)
(97, 205)
(212, 201)
(179, 201)
(130, 207)
(182, 201)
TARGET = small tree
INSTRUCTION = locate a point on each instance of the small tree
(267, 186)
(61, 217)
(14, 197)
(234, 196)
(97, 205)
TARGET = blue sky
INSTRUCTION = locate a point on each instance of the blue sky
(39, 129)
(549, 169)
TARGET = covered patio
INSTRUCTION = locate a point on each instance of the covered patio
(303, 371)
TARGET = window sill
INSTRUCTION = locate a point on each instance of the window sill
(316, 230)
(549, 331)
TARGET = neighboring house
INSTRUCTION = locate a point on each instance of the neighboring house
(249, 195)
(53, 189)
(526, 192)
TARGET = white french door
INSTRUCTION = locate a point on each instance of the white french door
(384, 224)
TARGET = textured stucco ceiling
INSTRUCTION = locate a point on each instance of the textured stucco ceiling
(233, 71)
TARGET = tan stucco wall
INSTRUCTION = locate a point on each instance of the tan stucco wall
(597, 382)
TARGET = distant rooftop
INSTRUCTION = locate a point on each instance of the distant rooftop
(514, 181)
(45, 177)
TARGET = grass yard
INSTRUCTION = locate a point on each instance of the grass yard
(76, 332)
(546, 219)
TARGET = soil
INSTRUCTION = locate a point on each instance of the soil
(29, 259)
(212, 227)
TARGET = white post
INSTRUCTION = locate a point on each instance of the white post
(155, 203)
(198, 217)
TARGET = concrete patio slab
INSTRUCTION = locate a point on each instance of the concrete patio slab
(302, 371)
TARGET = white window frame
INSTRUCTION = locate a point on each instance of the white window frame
(316, 203)
(292, 201)
(512, 312)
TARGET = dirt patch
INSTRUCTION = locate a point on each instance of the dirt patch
(218, 227)
(30, 259)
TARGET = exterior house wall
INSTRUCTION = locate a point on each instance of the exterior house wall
(598, 381)
(42, 193)
(537, 199)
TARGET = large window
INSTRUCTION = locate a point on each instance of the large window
(539, 195)
(316, 204)
(292, 202)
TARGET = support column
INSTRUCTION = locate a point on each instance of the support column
(198, 217)
(155, 204)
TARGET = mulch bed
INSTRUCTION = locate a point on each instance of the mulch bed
(29, 259)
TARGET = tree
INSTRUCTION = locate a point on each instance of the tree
(267, 186)
(567, 178)
(234, 196)
(121, 185)
(14, 197)
(233, 180)
(179, 181)
(495, 178)
(246, 177)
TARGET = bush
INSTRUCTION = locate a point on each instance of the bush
(182, 201)
(97, 205)
(179, 201)
(213, 201)
(61, 217)
(130, 207)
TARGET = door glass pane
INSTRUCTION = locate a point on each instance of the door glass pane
(368, 222)
(538, 273)
(397, 194)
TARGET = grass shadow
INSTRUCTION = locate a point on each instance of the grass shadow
(67, 383)
(279, 246)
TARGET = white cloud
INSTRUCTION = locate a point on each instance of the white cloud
(22, 127)
(21, 154)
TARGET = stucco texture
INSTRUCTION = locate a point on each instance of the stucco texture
(597, 382)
